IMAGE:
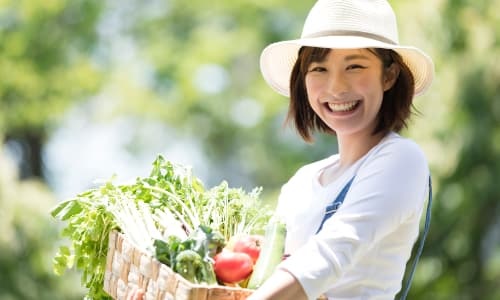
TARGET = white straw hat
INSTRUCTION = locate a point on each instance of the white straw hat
(345, 24)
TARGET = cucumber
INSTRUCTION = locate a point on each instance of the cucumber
(271, 253)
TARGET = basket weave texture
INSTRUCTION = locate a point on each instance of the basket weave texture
(127, 268)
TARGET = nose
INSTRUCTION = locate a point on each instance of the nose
(337, 85)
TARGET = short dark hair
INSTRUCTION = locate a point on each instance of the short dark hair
(396, 106)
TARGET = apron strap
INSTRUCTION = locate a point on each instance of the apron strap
(421, 243)
(332, 207)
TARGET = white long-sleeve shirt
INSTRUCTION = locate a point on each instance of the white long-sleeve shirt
(362, 250)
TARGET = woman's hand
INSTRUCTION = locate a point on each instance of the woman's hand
(281, 285)
(136, 294)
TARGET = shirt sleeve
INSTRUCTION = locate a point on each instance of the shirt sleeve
(388, 189)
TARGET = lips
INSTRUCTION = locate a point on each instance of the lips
(343, 106)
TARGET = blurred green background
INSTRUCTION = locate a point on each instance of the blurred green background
(92, 88)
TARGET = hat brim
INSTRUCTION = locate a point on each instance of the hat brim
(278, 59)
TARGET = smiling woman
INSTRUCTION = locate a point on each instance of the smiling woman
(358, 211)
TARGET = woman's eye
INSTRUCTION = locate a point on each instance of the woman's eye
(317, 69)
(351, 67)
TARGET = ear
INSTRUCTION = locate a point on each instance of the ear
(390, 75)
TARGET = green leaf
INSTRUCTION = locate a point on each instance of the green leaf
(66, 210)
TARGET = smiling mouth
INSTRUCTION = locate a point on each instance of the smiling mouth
(344, 106)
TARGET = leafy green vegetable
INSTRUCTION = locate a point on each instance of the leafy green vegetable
(207, 242)
(169, 205)
(166, 251)
(89, 224)
(189, 264)
(192, 257)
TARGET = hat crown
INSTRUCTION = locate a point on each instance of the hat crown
(374, 18)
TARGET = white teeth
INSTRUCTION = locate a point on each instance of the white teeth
(340, 107)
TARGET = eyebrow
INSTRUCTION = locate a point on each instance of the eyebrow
(356, 56)
(347, 58)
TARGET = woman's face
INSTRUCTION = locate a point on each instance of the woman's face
(346, 88)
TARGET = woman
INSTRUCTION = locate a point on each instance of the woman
(348, 76)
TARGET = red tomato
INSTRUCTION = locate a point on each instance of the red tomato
(249, 244)
(232, 267)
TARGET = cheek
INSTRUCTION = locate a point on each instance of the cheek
(314, 87)
(368, 86)
(309, 85)
(310, 89)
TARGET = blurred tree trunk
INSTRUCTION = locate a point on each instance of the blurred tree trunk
(26, 146)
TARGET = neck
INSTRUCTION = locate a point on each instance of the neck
(353, 147)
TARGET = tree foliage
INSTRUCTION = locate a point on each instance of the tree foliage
(28, 240)
(45, 65)
(462, 257)
(193, 66)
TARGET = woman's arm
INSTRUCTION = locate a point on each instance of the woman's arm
(281, 285)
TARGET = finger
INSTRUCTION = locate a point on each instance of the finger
(131, 294)
(139, 295)
(135, 294)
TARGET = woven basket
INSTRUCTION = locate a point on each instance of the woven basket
(127, 268)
